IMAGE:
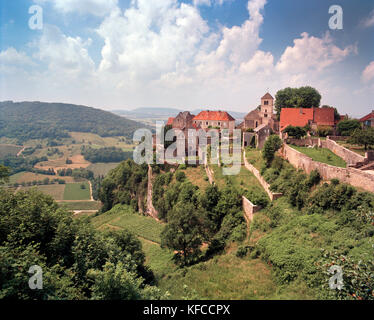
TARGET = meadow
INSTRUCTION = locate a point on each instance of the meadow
(73, 191)
(322, 155)
(102, 169)
(6, 149)
(80, 205)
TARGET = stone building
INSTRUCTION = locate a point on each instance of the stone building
(184, 120)
(214, 119)
(262, 115)
(368, 120)
(314, 117)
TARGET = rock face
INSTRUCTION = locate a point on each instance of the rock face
(151, 211)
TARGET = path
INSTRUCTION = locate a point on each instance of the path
(20, 152)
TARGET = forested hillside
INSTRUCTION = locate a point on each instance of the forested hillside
(38, 120)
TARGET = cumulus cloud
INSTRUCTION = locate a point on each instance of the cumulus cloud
(64, 55)
(163, 53)
(312, 53)
(208, 2)
(11, 56)
(94, 7)
(368, 73)
(369, 21)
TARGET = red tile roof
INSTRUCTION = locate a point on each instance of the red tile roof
(214, 116)
(324, 116)
(295, 117)
(368, 117)
(170, 121)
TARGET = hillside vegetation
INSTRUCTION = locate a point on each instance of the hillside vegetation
(38, 120)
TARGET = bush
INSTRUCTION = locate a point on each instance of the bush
(180, 176)
(272, 145)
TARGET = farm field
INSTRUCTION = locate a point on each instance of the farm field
(73, 191)
(6, 149)
(102, 169)
(95, 141)
(56, 191)
(80, 205)
(322, 155)
(30, 177)
(78, 162)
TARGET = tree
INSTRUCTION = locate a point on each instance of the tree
(346, 127)
(115, 282)
(295, 132)
(272, 145)
(324, 131)
(184, 233)
(304, 97)
(364, 137)
(4, 174)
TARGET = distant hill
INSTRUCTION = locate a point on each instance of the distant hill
(164, 113)
(39, 120)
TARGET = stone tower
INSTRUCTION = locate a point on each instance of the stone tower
(267, 108)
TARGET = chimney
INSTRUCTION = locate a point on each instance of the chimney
(301, 111)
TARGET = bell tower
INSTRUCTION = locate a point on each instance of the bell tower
(267, 108)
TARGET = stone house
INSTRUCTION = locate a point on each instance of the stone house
(214, 119)
(368, 120)
(314, 117)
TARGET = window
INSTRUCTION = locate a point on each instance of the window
(266, 103)
(219, 123)
(265, 115)
(207, 123)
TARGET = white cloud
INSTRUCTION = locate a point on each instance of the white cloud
(94, 7)
(368, 73)
(64, 55)
(369, 21)
(151, 39)
(163, 53)
(11, 56)
(208, 2)
(312, 54)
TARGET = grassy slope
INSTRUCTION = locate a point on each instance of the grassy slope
(322, 155)
(102, 169)
(224, 277)
(73, 191)
(9, 150)
(197, 176)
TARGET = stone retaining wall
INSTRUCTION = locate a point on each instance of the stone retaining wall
(348, 156)
(355, 177)
(265, 185)
(249, 208)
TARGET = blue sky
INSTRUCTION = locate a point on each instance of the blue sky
(187, 54)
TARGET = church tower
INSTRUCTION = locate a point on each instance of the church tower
(267, 108)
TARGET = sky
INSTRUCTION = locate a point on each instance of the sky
(189, 54)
